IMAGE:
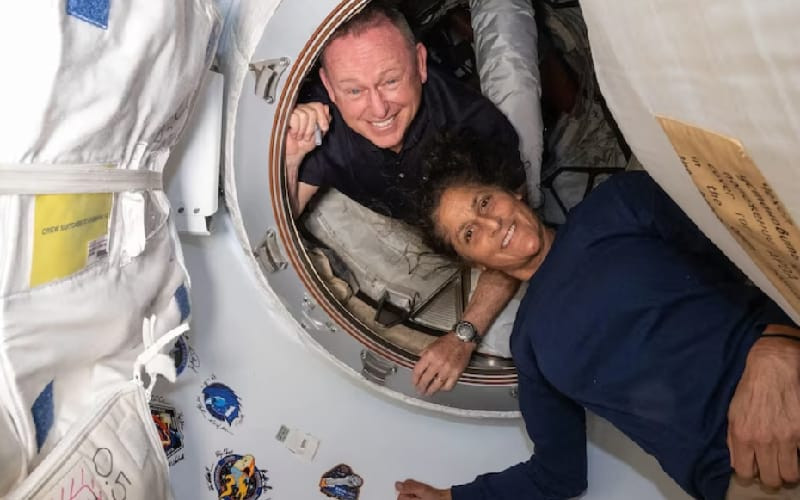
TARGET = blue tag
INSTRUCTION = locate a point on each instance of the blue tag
(91, 11)
(42, 411)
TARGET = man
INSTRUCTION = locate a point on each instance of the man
(380, 105)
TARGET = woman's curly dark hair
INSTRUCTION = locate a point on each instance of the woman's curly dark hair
(462, 158)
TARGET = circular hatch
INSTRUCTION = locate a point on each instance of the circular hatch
(327, 266)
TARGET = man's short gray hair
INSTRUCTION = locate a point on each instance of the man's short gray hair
(373, 14)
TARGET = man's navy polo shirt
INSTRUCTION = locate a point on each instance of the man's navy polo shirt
(383, 180)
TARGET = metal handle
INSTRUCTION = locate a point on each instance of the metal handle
(375, 368)
(268, 74)
(268, 254)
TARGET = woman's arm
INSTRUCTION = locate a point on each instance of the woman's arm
(557, 469)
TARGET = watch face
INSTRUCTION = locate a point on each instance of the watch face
(465, 331)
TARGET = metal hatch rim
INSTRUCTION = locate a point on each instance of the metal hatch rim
(287, 230)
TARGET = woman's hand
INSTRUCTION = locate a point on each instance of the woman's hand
(414, 490)
(764, 415)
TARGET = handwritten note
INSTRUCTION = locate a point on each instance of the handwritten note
(77, 486)
(743, 200)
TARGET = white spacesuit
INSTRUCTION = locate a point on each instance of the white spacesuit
(92, 284)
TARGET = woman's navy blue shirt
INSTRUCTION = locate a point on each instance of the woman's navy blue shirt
(636, 316)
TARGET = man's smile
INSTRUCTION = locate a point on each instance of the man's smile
(383, 124)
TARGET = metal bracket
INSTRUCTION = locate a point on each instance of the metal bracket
(374, 368)
(268, 74)
(308, 310)
(268, 254)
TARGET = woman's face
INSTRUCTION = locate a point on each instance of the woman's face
(492, 228)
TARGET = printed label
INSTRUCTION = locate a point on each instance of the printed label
(740, 196)
(298, 442)
(70, 232)
(98, 249)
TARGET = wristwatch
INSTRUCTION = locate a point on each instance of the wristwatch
(466, 332)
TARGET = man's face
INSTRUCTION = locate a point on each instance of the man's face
(375, 80)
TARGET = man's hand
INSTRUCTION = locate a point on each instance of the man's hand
(305, 118)
(301, 139)
(440, 364)
(414, 490)
(764, 415)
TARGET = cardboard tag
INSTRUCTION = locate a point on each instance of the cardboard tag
(743, 200)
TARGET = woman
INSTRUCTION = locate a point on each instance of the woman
(630, 312)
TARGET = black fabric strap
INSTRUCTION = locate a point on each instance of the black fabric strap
(781, 335)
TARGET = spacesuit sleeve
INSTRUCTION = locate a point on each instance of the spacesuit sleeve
(557, 470)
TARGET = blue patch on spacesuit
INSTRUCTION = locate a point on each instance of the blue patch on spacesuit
(92, 11)
(182, 298)
(42, 411)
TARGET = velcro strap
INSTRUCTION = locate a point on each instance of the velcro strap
(32, 178)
